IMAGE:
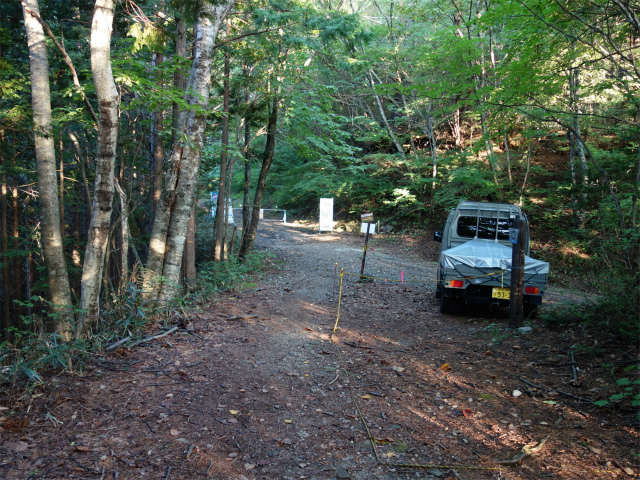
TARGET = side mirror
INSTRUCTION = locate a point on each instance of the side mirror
(437, 236)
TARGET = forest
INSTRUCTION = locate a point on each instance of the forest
(118, 120)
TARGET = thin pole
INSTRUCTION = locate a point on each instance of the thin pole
(364, 253)
(517, 275)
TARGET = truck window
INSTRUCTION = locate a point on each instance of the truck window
(486, 227)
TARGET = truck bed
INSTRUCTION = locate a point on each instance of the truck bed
(487, 262)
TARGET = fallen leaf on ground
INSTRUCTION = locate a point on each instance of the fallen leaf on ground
(234, 412)
(445, 368)
(288, 421)
(366, 397)
(249, 466)
(384, 440)
(467, 412)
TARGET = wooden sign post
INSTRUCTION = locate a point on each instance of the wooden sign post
(368, 218)
(518, 236)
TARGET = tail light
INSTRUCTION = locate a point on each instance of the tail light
(456, 283)
(532, 290)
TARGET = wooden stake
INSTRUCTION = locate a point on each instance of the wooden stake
(517, 275)
(364, 254)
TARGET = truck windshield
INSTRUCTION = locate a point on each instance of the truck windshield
(486, 227)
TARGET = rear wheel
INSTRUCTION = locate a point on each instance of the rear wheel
(446, 304)
(529, 311)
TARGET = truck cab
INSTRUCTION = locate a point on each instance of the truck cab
(488, 221)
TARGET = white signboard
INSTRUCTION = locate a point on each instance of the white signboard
(326, 215)
(214, 208)
(372, 228)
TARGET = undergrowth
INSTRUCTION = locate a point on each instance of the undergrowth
(31, 351)
(614, 311)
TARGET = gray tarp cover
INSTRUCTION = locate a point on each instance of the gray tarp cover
(488, 254)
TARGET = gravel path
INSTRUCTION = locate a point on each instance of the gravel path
(311, 259)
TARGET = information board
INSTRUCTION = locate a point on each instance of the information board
(326, 215)
(214, 208)
(372, 228)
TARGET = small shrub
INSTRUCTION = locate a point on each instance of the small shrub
(615, 310)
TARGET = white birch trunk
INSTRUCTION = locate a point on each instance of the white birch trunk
(162, 275)
(384, 117)
(124, 240)
(46, 165)
(105, 162)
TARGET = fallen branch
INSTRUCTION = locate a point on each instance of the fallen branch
(118, 343)
(555, 391)
(153, 337)
(526, 451)
(241, 317)
(355, 345)
(144, 340)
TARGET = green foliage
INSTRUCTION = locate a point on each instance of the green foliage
(30, 354)
(614, 310)
(629, 388)
(215, 277)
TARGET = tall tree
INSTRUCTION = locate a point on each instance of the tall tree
(162, 276)
(101, 28)
(221, 217)
(52, 244)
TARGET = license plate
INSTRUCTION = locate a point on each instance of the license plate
(499, 292)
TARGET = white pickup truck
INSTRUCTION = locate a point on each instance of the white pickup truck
(475, 260)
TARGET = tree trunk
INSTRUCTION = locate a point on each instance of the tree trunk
(250, 238)
(180, 82)
(221, 219)
(506, 150)
(189, 256)
(526, 174)
(5, 321)
(85, 184)
(17, 261)
(455, 127)
(384, 117)
(410, 124)
(489, 144)
(582, 187)
(179, 79)
(246, 206)
(162, 276)
(124, 239)
(636, 191)
(232, 160)
(105, 163)
(58, 278)
(61, 185)
(574, 184)
(157, 150)
(434, 158)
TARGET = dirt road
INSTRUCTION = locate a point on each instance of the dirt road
(259, 391)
